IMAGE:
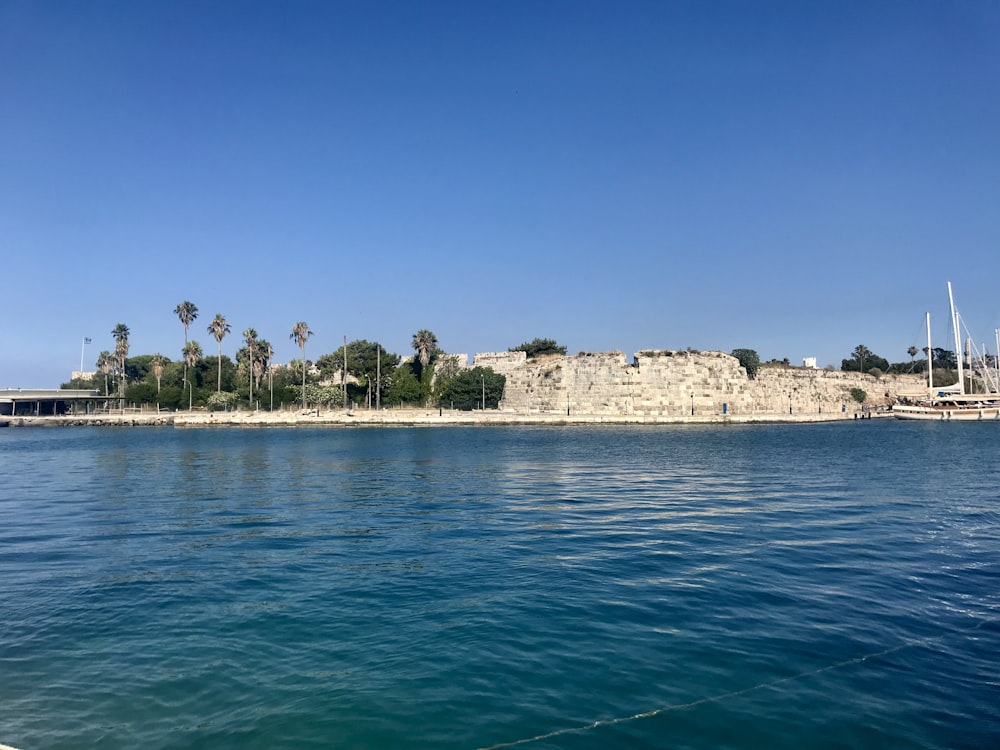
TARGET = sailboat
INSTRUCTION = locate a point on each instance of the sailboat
(952, 403)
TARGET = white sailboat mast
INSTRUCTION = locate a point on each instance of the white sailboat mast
(930, 359)
(958, 341)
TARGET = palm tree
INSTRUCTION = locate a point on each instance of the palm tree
(105, 362)
(424, 342)
(912, 351)
(300, 334)
(266, 353)
(159, 361)
(192, 355)
(120, 333)
(861, 352)
(187, 312)
(250, 336)
(219, 328)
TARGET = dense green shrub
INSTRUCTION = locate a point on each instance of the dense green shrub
(749, 361)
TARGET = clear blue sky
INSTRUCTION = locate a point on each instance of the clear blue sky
(797, 178)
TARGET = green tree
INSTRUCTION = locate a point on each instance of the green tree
(539, 347)
(209, 367)
(266, 358)
(465, 390)
(159, 362)
(300, 334)
(187, 312)
(330, 396)
(944, 359)
(424, 343)
(105, 363)
(284, 384)
(404, 387)
(250, 339)
(368, 361)
(861, 352)
(859, 395)
(749, 361)
(445, 370)
(171, 397)
(142, 393)
(912, 351)
(219, 327)
(192, 355)
(120, 332)
(862, 360)
(221, 401)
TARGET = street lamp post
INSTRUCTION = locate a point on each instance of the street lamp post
(83, 347)
(483, 377)
(692, 404)
(789, 403)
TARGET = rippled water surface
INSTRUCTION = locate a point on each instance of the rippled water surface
(747, 587)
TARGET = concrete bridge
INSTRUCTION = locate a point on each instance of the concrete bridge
(42, 402)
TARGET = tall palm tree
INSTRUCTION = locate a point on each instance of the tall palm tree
(105, 361)
(187, 312)
(219, 328)
(120, 333)
(300, 334)
(266, 354)
(424, 342)
(250, 337)
(861, 353)
(192, 355)
(159, 361)
(912, 351)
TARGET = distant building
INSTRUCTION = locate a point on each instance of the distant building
(809, 363)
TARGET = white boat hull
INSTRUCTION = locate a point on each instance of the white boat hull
(947, 413)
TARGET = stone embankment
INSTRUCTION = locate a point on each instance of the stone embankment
(657, 387)
(90, 420)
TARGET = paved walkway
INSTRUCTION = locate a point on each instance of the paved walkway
(406, 417)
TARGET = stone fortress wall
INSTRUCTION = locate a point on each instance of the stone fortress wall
(502, 363)
(672, 384)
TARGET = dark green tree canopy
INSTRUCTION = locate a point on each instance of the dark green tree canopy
(539, 347)
(465, 390)
(403, 387)
(863, 359)
(362, 360)
(425, 344)
(943, 358)
(749, 361)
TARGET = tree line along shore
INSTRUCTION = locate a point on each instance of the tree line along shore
(359, 374)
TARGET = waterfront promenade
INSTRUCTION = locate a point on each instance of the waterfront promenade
(406, 417)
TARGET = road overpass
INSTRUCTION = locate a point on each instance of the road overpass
(42, 402)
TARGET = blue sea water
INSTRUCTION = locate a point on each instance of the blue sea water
(779, 586)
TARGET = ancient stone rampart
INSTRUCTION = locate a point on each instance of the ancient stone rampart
(500, 362)
(676, 384)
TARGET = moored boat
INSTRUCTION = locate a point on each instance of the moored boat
(967, 407)
(951, 403)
